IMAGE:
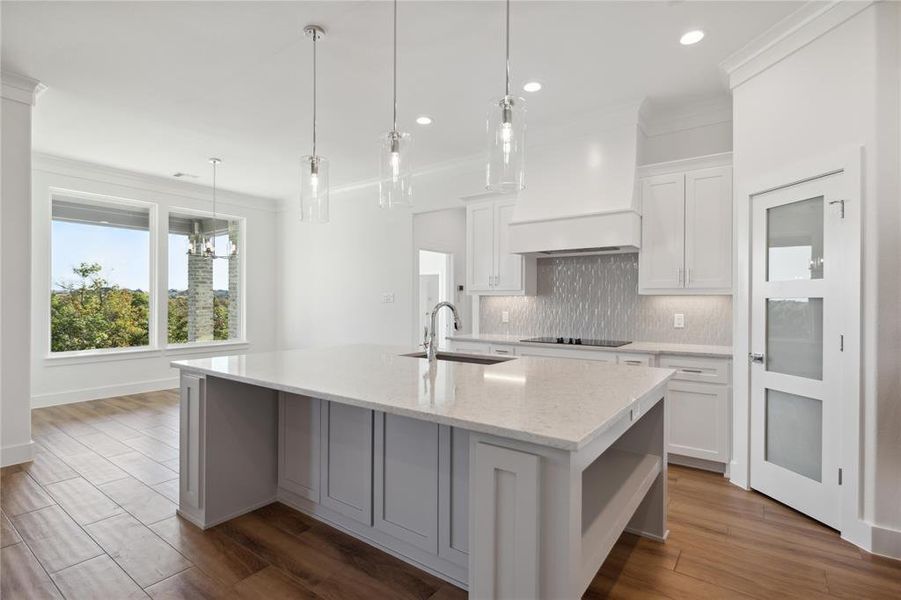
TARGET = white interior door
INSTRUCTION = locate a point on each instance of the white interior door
(796, 329)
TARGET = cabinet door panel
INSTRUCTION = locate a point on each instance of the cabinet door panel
(191, 417)
(347, 460)
(298, 445)
(453, 495)
(480, 246)
(708, 229)
(509, 266)
(564, 352)
(406, 479)
(698, 420)
(661, 261)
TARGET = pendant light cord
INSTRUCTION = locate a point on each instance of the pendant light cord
(395, 66)
(507, 88)
(315, 37)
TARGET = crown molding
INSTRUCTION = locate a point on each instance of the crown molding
(813, 20)
(70, 167)
(20, 88)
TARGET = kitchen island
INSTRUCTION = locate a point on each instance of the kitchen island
(512, 479)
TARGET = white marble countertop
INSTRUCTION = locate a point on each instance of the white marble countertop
(640, 347)
(549, 401)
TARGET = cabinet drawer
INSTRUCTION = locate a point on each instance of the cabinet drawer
(503, 350)
(690, 368)
(636, 360)
(600, 356)
(470, 348)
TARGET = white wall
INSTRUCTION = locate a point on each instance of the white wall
(335, 275)
(60, 380)
(686, 143)
(839, 91)
(15, 272)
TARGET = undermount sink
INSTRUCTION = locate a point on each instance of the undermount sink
(464, 358)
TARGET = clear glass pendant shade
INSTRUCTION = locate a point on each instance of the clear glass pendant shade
(314, 189)
(506, 128)
(395, 170)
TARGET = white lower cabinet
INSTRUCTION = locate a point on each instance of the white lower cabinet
(699, 401)
(465, 348)
(406, 479)
(503, 350)
(346, 460)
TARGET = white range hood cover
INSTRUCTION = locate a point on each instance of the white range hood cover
(580, 195)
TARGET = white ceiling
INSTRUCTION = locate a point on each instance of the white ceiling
(157, 87)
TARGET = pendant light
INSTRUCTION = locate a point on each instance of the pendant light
(314, 168)
(506, 127)
(395, 170)
(204, 244)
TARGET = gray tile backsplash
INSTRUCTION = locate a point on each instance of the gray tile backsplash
(597, 297)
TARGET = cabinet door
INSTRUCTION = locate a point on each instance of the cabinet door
(708, 229)
(298, 445)
(508, 274)
(480, 246)
(470, 348)
(191, 417)
(406, 479)
(635, 360)
(453, 495)
(503, 350)
(346, 467)
(661, 261)
(698, 420)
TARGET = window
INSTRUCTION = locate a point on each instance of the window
(100, 290)
(204, 293)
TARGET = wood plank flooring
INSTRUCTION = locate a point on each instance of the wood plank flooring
(94, 517)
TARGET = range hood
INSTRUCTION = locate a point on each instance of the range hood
(606, 232)
(580, 195)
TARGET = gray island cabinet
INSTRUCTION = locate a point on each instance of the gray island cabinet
(512, 480)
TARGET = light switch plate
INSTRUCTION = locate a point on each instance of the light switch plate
(505, 316)
(679, 321)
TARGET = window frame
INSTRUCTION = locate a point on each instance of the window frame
(153, 272)
(241, 340)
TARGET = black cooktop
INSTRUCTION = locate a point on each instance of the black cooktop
(577, 341)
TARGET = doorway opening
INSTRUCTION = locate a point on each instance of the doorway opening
(436, 284)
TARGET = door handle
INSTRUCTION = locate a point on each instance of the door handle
(756, 358)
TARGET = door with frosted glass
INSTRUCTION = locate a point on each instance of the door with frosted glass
(796, 346)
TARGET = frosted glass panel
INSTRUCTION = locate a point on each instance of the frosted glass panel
(794, 336)
(795, 240)
(794, 433)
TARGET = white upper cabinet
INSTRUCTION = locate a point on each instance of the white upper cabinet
(708, 229)
(491, 269)
(686, 232)
(661, 262)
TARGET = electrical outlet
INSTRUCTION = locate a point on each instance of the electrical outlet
(679, 321)
(505, 316)
(387, 298)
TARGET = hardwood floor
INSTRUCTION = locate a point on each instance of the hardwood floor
(94, 517)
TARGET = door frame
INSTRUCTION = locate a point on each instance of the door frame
(848, 161)
(451, 286)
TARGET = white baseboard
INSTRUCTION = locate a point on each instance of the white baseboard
(14, 455)
(106, 391)
(886, 542)
(696, 463)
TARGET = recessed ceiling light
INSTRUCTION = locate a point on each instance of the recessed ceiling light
(424, 120)
(691, 37)
(532, 86)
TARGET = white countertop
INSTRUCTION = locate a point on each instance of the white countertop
(639, 347)
(549, 401)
